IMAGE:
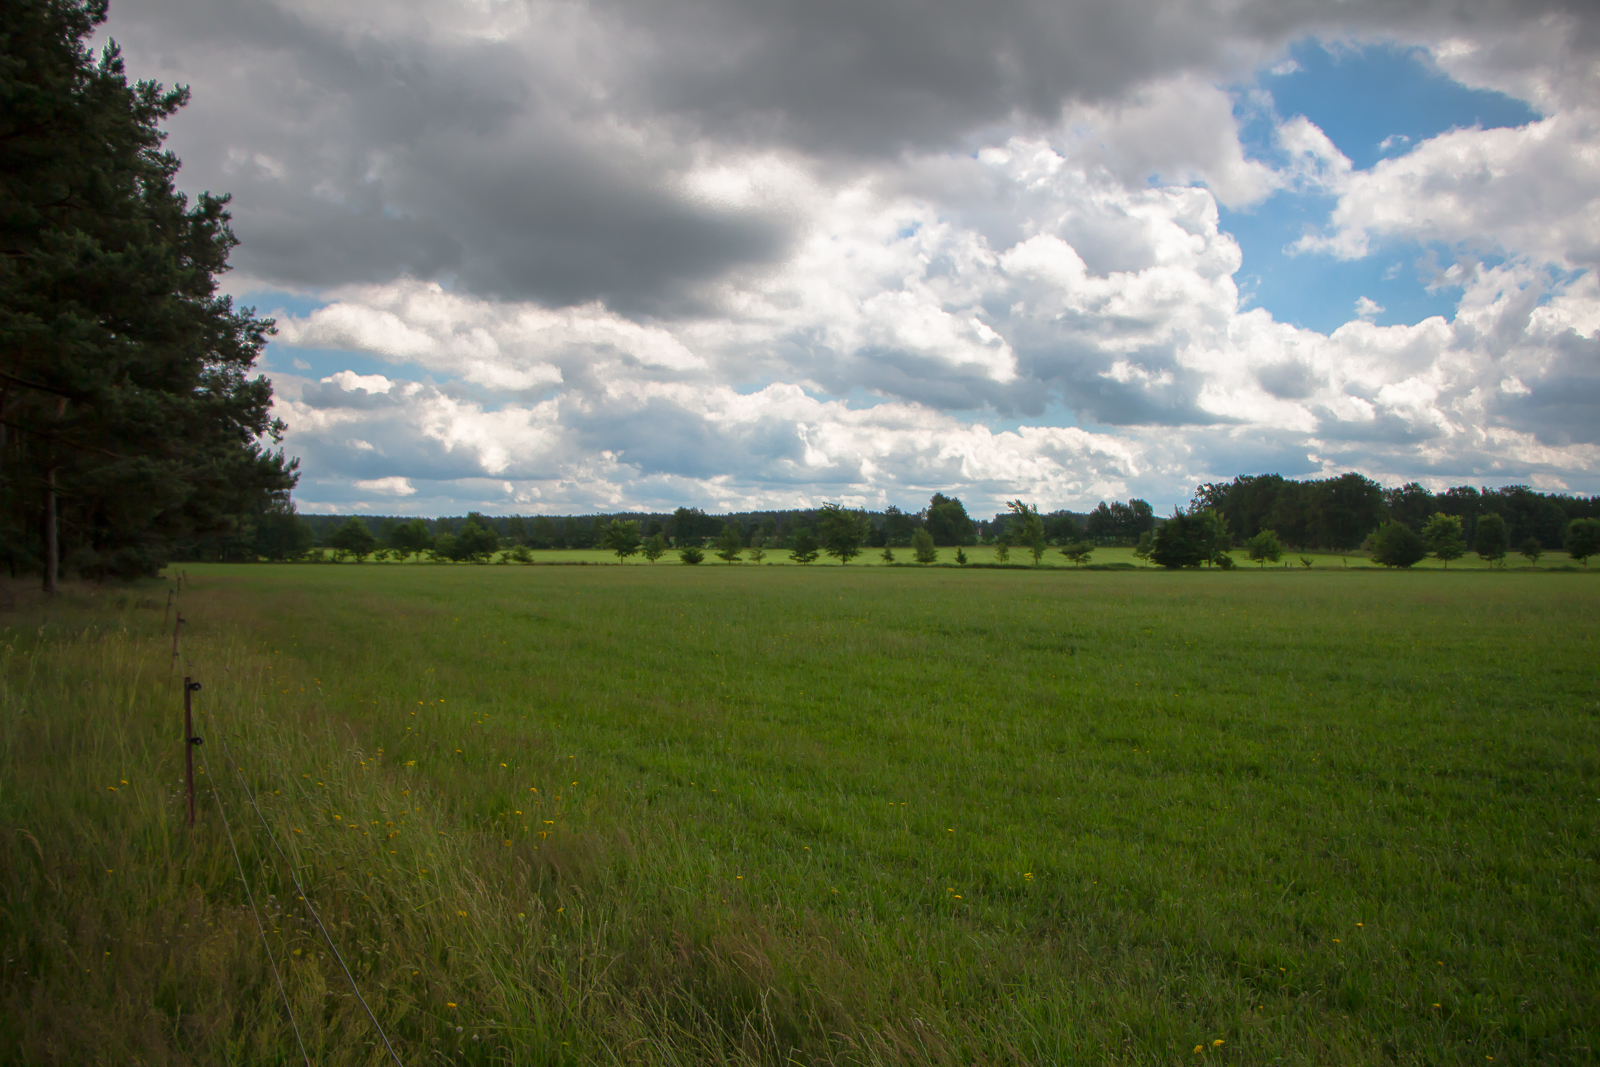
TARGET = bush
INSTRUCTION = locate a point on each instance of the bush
(690, 554)
(1531, 550)
(922, 546)
(1397, 545)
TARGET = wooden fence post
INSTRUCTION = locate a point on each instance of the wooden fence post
(189, 740)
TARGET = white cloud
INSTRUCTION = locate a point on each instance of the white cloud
(1527, 191)
(1440, 399)
(394, 485)
(618, 255)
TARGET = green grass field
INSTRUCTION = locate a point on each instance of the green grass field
(573, 815)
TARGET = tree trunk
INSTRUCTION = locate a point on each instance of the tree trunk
(52, 543)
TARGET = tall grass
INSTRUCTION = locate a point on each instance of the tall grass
(724, 815)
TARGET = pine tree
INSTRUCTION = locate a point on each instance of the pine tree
(129, 430)
(730, 543)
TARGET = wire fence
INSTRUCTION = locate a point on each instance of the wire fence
(191, 742)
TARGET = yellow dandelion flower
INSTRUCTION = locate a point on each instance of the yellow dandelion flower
(1198, 1049)
(462, 914)
(449, 1003)
(1217, 1043)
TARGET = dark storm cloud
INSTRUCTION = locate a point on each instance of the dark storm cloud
(876, 77)
(366, 157)
(569, 225)
(539, 159)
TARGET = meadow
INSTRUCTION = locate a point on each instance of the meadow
(866, 815)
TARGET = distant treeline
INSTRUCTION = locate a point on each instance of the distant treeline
(945, 519)
(1328, 513)
(1339, 513)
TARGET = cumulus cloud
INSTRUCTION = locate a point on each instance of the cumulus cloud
(1529, 191)
(703, 251)
(1504, 386)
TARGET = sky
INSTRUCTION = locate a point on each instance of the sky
(566, 257)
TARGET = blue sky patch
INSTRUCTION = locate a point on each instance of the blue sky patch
(1378, 101)
(1375, 102)
(319, 363)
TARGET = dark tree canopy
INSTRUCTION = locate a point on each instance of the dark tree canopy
(1119, 523)
(354, 537)
(127, 420)
(1185, 540)
(898, 527)
(1339, 512)
(1491, 539)
(947, 522)
(1583, 539)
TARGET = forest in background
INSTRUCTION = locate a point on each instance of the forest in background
(1329, 513)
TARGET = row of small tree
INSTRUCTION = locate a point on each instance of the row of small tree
(1340, 512)
(1395, 544)
(1187, 539)
(1202, 536)
(840, 532)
